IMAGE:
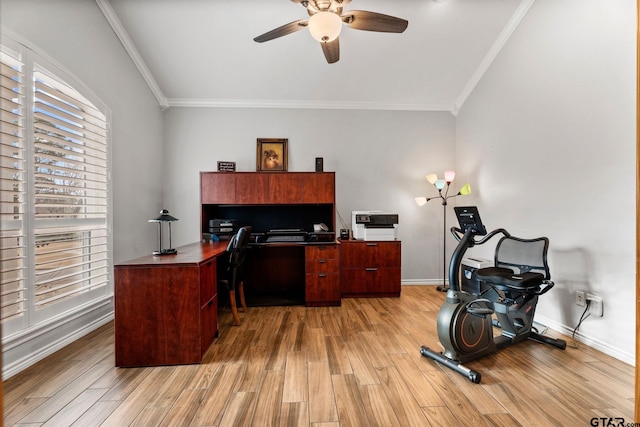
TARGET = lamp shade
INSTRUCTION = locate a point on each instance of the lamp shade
(432, 178)
(325, 26)
(465, 190)
(164, 217)
(440, 184)
(421, 201)
(449, 175)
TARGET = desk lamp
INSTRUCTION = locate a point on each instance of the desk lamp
(443, 184)
(164, 218)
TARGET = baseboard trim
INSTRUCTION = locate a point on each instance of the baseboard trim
(26, 349)
(589, 340)
(421, 282)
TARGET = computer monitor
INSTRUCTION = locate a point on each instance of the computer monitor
(469, 219)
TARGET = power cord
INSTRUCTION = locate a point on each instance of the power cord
(582, 319)
(344, 224)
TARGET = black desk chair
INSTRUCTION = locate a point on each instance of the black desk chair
(233, 277)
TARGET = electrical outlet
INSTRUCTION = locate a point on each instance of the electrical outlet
(595, 305)
(580, 298)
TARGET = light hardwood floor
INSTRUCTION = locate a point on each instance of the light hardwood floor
(355, 365)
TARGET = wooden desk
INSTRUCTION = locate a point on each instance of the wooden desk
(166, 308)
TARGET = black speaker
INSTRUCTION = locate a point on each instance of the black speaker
(319, 164)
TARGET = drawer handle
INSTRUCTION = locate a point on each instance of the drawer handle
(322, 261)
(372, 244)
(322, 275)
(372, 269)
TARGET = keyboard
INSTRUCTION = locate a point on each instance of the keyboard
(286, 238)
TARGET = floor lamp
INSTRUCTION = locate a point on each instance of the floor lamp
(442, 185)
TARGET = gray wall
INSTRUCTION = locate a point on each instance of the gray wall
(548, 138)
(380, 159)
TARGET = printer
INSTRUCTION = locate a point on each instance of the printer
(374, 225)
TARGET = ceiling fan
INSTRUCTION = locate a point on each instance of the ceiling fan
(325, 22)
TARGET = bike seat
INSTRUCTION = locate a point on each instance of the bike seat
(505, 277)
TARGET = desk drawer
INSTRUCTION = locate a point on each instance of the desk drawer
(356, 254)
(208, 285)
(208, 323)
(370, 282)
(322, 289)
(322, 265)
(322, 252)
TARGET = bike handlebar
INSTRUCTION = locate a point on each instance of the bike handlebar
(458, 233)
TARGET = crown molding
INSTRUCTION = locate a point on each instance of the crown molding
(135, 56)
(312, 105)
(491, 55)
(454, 108)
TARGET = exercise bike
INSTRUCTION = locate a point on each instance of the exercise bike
(510, 290)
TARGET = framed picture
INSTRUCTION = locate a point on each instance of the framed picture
(271, 155)
(226, 166)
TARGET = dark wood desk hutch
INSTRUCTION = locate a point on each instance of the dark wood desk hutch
(279, 273)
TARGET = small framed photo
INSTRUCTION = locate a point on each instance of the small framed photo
(271, 155)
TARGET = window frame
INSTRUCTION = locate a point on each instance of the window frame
(38, 317)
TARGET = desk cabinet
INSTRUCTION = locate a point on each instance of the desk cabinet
(322, 275)
(208, 304)
(301, 187)
(256, 188)
(251, 188)
(166, 309)
(370, 268)
(217, 188)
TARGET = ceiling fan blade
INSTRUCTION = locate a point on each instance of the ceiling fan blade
(284, 30)
(372, 21)
(331, 50)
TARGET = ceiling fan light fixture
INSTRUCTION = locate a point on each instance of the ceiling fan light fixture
(325, 26)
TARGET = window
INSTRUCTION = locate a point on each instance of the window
(54, 184)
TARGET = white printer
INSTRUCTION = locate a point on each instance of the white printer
(374, 225)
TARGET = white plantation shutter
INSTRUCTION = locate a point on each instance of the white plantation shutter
(70, 190)
(55, 248)
(12, 186)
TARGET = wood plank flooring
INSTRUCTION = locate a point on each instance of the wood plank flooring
(355, 365)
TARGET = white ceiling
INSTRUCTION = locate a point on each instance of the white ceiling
(202, 53)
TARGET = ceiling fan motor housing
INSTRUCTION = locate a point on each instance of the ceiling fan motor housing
(325, 23)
